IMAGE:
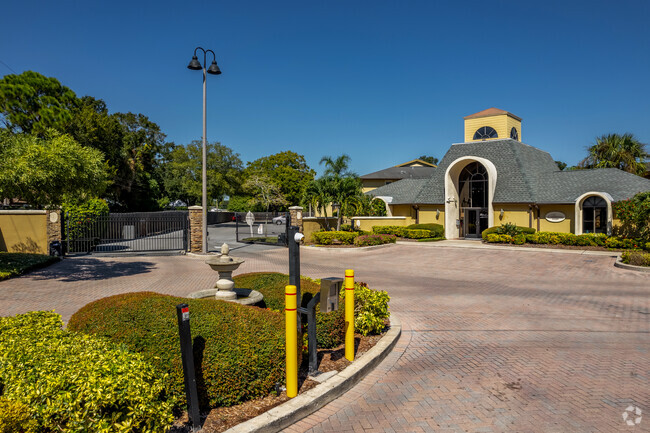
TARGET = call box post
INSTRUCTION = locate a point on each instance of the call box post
(191, 393)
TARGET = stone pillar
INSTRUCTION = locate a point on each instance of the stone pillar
(196, 229)
(53, 220)
(296, 216)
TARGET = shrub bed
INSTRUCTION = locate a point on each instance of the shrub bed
(414, 231)
(238, 350)
(14, 264)
(329, 238)
(76, 383)
(555, 238)
(370, 240)
(437, 230)
(636, 258)
(507, 229)
(15, 417)
(330, 327)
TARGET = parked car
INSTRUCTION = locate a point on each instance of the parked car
(237, 217)
(282, 219)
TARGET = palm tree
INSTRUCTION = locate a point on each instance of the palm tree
(346, 192)
(319, 194)
(624, 152)
(338, 167)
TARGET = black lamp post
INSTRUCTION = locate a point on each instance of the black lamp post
(195, 65)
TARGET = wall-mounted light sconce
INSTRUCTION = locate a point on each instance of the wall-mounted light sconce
(501, 214)
(437, 213)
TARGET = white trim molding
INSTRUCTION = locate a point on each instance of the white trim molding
(452, 209)
(578, 210)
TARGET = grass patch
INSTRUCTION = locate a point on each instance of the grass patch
(431, 239)
(15, 264)
(261, 240)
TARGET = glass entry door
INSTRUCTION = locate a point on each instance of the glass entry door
(475, 221)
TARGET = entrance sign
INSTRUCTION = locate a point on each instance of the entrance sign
(555, 217)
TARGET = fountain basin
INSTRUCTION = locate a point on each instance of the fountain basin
(244, 296)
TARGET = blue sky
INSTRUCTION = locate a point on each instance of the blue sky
(383, 81)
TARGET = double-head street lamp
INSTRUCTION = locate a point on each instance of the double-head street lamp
(195, 65)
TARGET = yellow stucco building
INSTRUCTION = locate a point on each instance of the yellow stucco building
(493, 178)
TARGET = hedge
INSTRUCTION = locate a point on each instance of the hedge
(14, 264)
(329, 238)
(15, 417)
(238, 350)
(77, 383)
(330, 327)
(556, 238)
(370, 240)
(410, 232)
(437, 230)
(502, 229)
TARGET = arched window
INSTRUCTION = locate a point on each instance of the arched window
(514, 134)
(485, 132)
(594, 215)
(473, 185)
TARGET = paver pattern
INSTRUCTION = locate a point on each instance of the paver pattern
(493, 341)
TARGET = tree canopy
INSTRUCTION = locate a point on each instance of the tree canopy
(31, 103)
(287, 170)
(48, 171)
(430, 159)
(622, 151)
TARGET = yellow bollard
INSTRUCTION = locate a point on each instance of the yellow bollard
(349, 314)
(291, 318)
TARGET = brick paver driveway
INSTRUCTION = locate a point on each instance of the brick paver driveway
(493, 341)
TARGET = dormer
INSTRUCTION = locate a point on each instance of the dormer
(492, 124)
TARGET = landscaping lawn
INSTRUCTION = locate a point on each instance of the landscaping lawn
(14, 264)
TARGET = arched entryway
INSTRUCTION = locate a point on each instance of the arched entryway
(469, 188)
(473, 198)
(594, 213)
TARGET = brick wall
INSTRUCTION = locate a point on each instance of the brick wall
(196, 229)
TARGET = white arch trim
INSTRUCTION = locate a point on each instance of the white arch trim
(387, 201)
(578, 210)
(452, 210)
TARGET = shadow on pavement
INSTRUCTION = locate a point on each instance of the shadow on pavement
(89, 268)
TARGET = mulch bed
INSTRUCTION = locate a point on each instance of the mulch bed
(223, 418)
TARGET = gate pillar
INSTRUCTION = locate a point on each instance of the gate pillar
(295, 212)
(53, 225)
(196, 228)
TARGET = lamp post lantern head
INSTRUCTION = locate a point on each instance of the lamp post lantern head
(214, 69)
(194, 64)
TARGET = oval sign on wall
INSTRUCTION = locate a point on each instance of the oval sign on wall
(555, 217)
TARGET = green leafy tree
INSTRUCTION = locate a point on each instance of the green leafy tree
(287, 170)
(31, 103)
(634, 215)
(44, 171)
(624, 152)
(561, 165)
(430, 159)
(264, 192)
(182, 172)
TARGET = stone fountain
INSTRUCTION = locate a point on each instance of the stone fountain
(225, 289)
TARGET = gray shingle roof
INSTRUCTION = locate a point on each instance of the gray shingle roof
(403, 191)
(400, 173)
(525, 174)
(567, 186)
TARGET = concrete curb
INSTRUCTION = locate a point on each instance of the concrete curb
(372, 247)
(619, 264)
(299, 407)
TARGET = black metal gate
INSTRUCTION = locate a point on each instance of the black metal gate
(269, 228)
(128, 232)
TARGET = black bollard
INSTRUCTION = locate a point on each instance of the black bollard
(191, 393)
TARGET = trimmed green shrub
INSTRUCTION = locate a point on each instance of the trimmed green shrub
(330, 327)
(636, 258)
(370, 309)
(507, 229)
(369, 240)
(78, 383)
(329, 238)
(346, 228)
(415, 233)
(238, 350)
(437, 230)
(15, 417)
(387, 230)
(497, 238)
(519, 239)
